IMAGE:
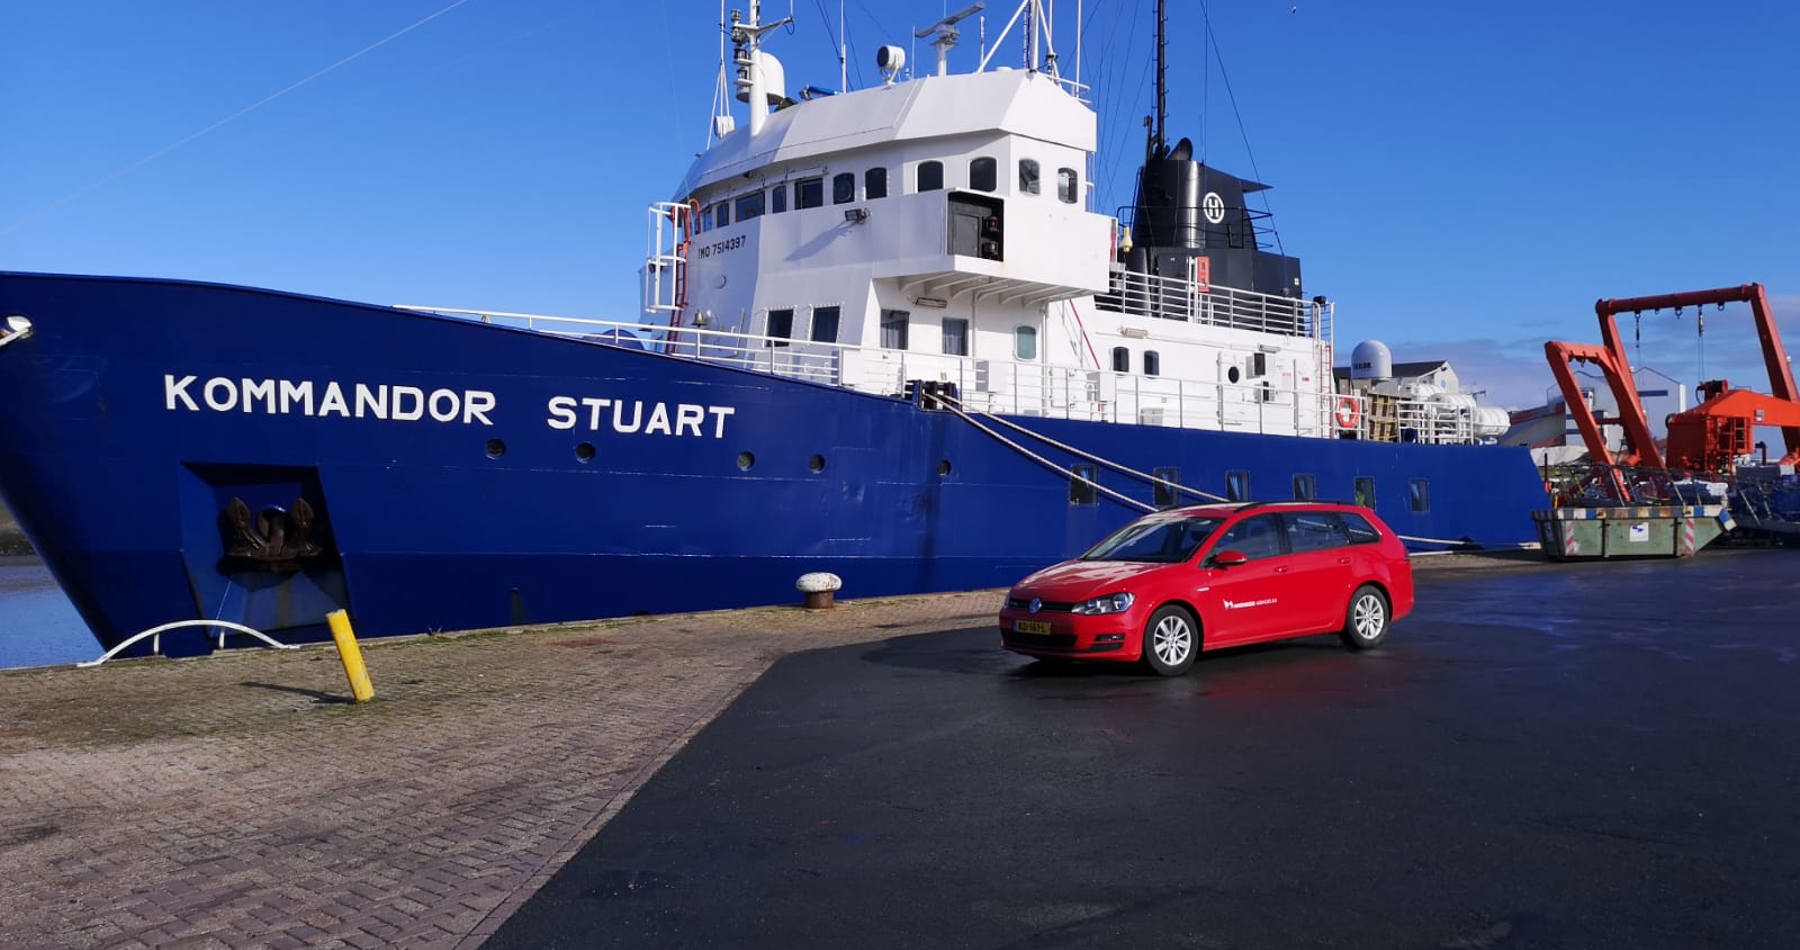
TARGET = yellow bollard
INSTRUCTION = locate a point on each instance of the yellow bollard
(351, 654)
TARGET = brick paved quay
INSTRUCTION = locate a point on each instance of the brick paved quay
(241, 800)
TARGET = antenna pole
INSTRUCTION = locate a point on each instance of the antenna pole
(843, 52)
(1028, 33)
(1162, 30)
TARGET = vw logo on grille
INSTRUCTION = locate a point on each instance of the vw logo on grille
(1035, 605)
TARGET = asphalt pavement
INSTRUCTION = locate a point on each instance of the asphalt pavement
(1593, 755)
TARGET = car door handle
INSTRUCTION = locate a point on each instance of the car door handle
(1343, 560)
(1281, 570)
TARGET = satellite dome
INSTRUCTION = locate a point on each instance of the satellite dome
(1371, 360)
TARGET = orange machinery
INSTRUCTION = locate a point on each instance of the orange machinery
(1706, 438)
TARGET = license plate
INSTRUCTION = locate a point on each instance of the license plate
(1031, 626)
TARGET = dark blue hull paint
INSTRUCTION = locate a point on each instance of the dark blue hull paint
(122, 495)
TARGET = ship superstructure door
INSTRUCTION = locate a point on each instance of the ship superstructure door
(975, 226)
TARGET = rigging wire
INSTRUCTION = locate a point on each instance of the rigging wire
(1225, 77)
(1118, 122)
(195, 136)
(825, 18)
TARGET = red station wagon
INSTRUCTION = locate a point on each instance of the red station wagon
(1173, 583)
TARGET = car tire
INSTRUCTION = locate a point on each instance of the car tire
(1367, 619)
(1171, 641)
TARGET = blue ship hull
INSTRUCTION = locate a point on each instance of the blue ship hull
(138, 409)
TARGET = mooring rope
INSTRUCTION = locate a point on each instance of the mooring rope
(1089, 456)
(955, 406)
(1039, 459)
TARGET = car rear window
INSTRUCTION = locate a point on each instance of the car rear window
(1257, 537)
(1315, 531)
(1359, 529)
(1155, 540)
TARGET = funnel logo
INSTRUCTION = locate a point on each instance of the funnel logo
(1213, 207)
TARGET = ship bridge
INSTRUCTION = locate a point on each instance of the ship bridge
(970, 185)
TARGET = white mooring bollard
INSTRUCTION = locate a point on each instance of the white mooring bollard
(818, 588)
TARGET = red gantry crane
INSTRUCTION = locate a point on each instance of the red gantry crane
(1705, 439)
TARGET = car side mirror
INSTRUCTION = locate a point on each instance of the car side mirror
(1230, 559)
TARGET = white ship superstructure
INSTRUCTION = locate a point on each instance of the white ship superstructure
(943, 228)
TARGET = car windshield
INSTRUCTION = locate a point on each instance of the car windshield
(1155, 540)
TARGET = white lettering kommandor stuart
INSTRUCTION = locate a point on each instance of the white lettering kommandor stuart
(305, 397)
(633, 416)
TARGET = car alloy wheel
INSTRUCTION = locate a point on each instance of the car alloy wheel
(1366, 622)
(1170, 641)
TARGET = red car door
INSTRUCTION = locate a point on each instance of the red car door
(1320, 570)
(1247, 601)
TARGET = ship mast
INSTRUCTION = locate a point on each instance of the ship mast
(746, 38)
(1157, 141)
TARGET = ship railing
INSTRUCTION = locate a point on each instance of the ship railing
(777, 356)
(1250, 227)
(1012, 387)
(1178, 298)
(1007, 387)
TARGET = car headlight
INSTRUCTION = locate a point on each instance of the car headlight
(1110, 604)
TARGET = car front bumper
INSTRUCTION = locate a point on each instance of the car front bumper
(1071, 636)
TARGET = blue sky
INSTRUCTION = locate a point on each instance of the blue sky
(1464, 179)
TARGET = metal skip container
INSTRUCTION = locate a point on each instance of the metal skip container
(1572, 534)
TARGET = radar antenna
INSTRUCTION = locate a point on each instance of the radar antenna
(944, 34)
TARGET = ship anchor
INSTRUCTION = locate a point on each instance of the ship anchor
(275, 539)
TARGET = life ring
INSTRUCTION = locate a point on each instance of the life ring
(1348, 413)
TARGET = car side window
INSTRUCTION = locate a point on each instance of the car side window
(1256, 538)
(1315, 531)
(1358, 530)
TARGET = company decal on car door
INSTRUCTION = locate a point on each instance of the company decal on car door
(1241, 604)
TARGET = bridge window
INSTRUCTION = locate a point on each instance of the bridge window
(1418, 491)
(1029, 176)
(825, 325)
(750, 206)
(843, 188)
(1068, 186)
(722, 213)
(1306, 487)
(809, 192)
(984, 174)
(706, 218)
(931, 176)
(1152, 363)
(1237, 485)
(1121, 358)
(781, 327)
(778, 199)
(1025, 343)
(893, 329)
(956, 336)
(875, 183)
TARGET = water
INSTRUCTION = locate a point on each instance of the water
(38, 625)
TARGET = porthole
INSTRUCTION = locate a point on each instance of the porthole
(585, 451)
(745, 461)
(816, 463)
(1232, 374)
(495, 448)
(943, 467)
